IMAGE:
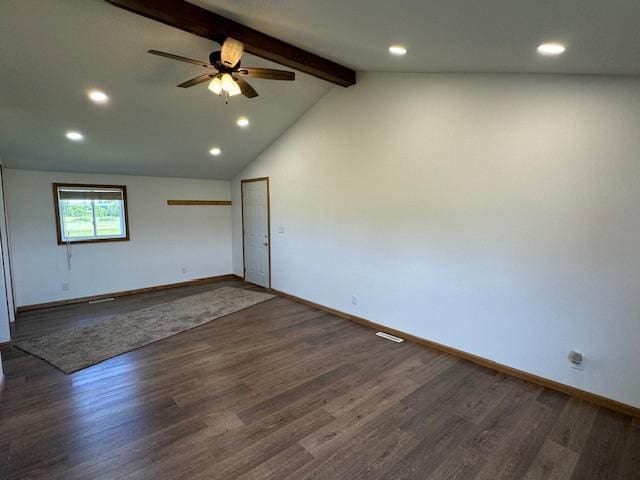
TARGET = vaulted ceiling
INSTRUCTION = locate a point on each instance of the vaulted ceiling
(453, 35)
(53, 51)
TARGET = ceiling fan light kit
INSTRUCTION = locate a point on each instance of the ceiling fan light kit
(224, 83)
(226, 77)
(216, 85)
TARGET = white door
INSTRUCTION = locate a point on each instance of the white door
(255, 224)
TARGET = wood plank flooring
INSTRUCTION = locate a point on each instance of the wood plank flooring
(284, 391)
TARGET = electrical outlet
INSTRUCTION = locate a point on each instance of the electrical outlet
(576, 360)
(184, 269)
(65, 286)
(280, 229)
(354, 300)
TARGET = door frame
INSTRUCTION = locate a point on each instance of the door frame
(242, 182)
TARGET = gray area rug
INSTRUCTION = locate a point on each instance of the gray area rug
(74, 349)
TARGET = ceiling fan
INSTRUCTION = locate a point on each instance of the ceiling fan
(226, 77)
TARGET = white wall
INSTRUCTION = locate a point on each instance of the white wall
(499, 215)
(164, 239)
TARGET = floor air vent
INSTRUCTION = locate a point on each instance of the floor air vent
(101, 300)
(390, 337)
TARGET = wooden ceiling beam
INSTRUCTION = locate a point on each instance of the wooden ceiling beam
(204, 23)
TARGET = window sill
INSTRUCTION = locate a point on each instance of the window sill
(95, 240)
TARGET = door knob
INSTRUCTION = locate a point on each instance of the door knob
(265, 244)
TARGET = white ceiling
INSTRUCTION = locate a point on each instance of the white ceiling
(52, 51)
(603, 36)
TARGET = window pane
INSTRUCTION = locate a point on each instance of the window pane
(109, 218)
(77, 218)
(91, 212)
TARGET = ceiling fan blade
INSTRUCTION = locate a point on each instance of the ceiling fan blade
(246, 89)
(197, 80)
(181, 59)
(268, 73)
(231, 52)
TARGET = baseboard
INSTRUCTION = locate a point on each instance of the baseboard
(123, 293)
(529, 377)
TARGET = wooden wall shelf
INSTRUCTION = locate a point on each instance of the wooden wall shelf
(199, 202)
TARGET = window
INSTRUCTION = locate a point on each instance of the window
(90, 213)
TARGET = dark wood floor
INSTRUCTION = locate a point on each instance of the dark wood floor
(285, 391)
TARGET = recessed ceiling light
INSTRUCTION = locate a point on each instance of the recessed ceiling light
(551, 49)
(75, 136)
(97, 96)
(242, 122)
(397, 50)
(215, 151)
